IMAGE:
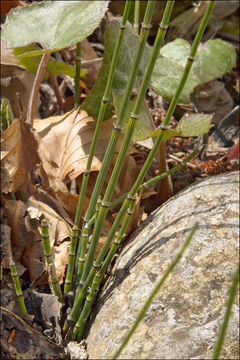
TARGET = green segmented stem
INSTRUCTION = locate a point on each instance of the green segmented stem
(170, 111)
(17, 286)
(112, 145)
(79, 327)
(136, 16)
(222, 333)
(77, 75)
(75, 310)
(77, 331)
(120, 215)
(85, 235)
(103, 211)
(81, 258)
(102, 111)
(71, 260)
(101, 115)
(49, 260)
(155, 290)
(130, 129)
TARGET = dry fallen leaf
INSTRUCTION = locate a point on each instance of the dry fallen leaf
(18, 157)
(25, 233)
(64, 144)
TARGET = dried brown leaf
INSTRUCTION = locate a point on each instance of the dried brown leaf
(16, 211)
(18, 157)
(64, 141)
(59, 229)
(64, 144)
(5, 245)
(61, 259)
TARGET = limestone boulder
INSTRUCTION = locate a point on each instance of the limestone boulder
(184, 318)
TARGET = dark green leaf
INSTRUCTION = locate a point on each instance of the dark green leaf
(123, 68)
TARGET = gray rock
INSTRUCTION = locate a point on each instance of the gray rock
(184, 318)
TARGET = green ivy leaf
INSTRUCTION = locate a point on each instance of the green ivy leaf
(144, 125)
(213, 59)
(189, 125)
(123, 67)
(55, 67)
(56, 24)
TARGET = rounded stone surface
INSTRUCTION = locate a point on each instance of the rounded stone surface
(184, 318)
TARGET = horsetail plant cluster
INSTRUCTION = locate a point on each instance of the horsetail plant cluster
(85, 270)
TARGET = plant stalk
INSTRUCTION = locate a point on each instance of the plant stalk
(35, 89)
(71, 260)
(169, 112)
(49, 260)
(77, 76)
(136, 16)
(129, 133)
(77, 331)
(112, 145)
(167, 119)
(17, 286)
(222, 333)
(101, 115)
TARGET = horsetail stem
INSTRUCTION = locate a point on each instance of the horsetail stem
(117, 127)
(81, 258)
(89, 300)
(106, 245)
(77, 75)
(49, 260)
(72, 317)
(102, 111)
(79, 327)
(155, 290)
(114, 138)
(232, 293)
(102, 214)
(82, 249)
(101, 115)
(169, 113)
(167, 119)
(136, 16)
(17, 286)
(71, 260)
(131, 125)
